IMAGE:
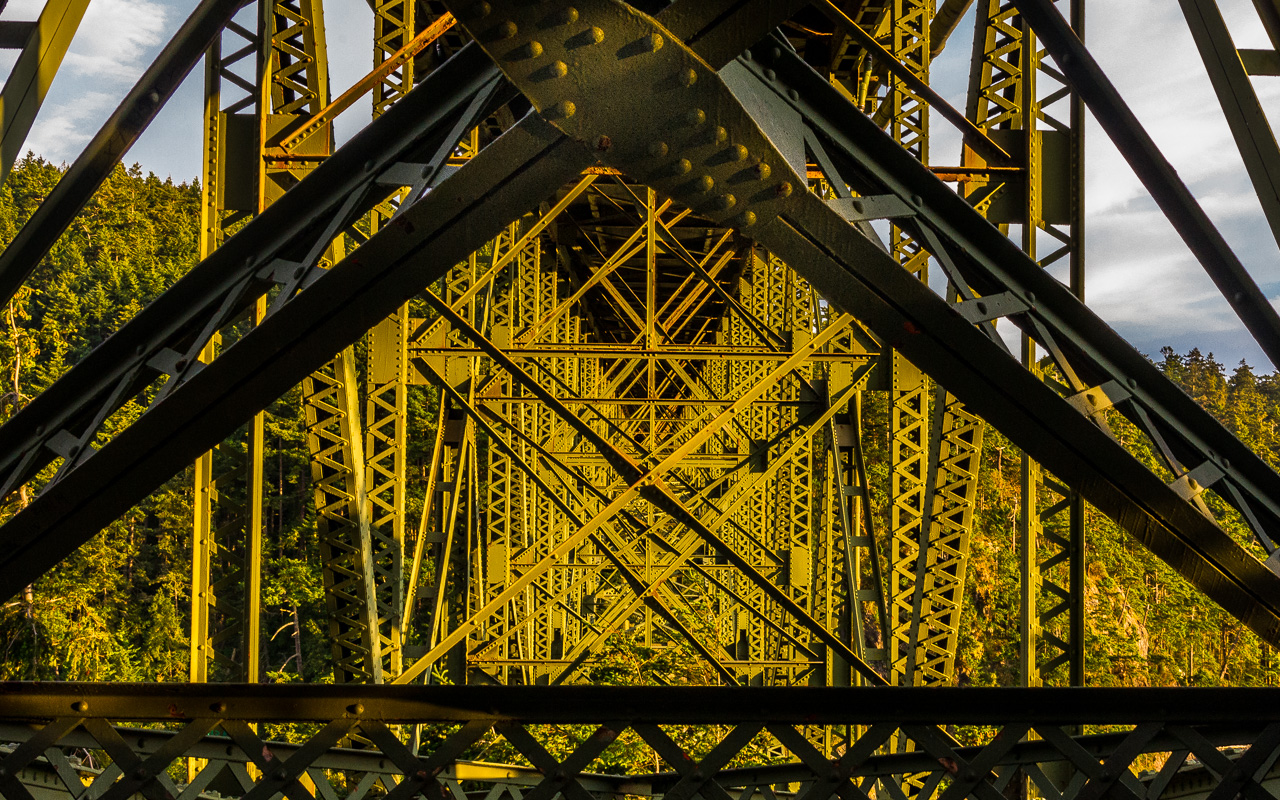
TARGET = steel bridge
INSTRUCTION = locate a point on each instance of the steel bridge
(644, 262)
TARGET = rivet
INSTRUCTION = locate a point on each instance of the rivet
(281, 774)
(604, 143)
(40, 428)
(368, 166)
(218, 707)
(784, 189)
(140, 773)
(793, 94)
(1226, 463)
(725, 202)
(505, 30)
(154, 97)
(1031, 297)
(563, 110)
(695, 117)
(1133, 383)
(139, 350)
(480, 9)
(706, 183)
(595, 35)
(80, 706)
(719, 134)
(658, 149)
(1239, 297)
(746, 54)
(653, 42)
(530, 50)
(356, 708)
(746, 219)
(567, 16)
(559, 69)
(916, 200)
(688, 77)
(763, 171)
(776, 53)
(770, 74)
(682, 166)
(738, 152)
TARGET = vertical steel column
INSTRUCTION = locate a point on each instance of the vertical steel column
(386, 385)
(227, 511)
(908, 118)
(1045, 201)
(936, 445)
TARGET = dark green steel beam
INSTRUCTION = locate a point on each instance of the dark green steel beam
(639, 704)
(1157, 174)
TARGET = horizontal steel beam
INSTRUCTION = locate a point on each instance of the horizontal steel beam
(638, 704)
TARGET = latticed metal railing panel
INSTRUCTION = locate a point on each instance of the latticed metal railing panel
(95, 741)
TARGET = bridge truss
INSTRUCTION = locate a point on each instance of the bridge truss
(644, 264)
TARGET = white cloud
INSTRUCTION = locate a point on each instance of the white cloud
(116, 39)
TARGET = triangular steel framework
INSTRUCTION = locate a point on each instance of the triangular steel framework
(702, 105)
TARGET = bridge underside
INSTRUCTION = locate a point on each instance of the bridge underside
(641, 266)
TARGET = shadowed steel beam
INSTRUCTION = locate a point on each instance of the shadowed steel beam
(941, 705)
(856, 275)
(1156, 174)
(532, 162)
(973, 136)
(104, 151)
(945, 21)
(720, 29)
(516, 172)
(225, 278)
(33, 74)
(1254, 137)
(1034, 416)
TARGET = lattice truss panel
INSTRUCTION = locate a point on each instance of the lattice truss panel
(625, 319)
(100, 748)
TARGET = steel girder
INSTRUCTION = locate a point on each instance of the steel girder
(42, 43)
(1158, 175)
(162, 339)
(112, 141)
(649, 274)
(1219, 740)
(806, 232)
(836, 258)
(1007, 100)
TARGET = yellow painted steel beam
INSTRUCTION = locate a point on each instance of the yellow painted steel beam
(28, 84)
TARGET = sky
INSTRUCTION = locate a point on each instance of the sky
(1141, 279)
